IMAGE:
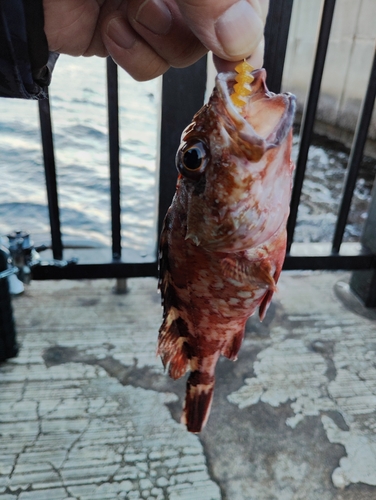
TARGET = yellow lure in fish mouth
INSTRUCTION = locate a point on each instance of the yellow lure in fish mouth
(242, 87)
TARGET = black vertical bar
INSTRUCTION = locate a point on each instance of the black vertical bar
(309, 114)
(183, 93)
(8, 334)
(363, 283)
(371, 299)
(356, 156)
(113, 133)
(276, 35)
(50, 173)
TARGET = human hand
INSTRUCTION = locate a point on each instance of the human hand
(146, 37)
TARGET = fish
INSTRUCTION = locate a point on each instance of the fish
(223, 241)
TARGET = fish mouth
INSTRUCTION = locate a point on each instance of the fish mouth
(265, 119)
(249, 171)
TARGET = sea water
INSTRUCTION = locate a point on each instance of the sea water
(78, 101)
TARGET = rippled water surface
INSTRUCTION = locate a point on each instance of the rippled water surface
(79, 114)
(322, 190)
(78, 100)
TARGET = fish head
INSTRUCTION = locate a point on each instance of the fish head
(235, 167)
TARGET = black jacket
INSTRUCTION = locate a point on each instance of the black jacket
(25, 62)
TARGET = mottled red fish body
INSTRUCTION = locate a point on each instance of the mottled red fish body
(224, 238)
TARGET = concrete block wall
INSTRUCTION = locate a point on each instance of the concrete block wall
(348, 64)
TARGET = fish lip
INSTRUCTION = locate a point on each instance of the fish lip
(246, 130)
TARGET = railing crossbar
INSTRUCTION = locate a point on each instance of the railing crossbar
(330, 262)
(134, 270)
(96, 271)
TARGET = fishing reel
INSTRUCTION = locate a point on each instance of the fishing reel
(23, 254)
(19, 256)
(22, 257)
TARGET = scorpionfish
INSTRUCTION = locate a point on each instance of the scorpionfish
(224, 238)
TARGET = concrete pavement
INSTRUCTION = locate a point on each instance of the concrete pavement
(86, 411)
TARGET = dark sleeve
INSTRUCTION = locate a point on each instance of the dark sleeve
(25, 63)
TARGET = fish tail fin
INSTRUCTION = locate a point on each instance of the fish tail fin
(198, 399)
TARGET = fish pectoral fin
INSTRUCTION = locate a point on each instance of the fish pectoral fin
(254, 272)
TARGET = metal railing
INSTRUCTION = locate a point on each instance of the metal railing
(176, 114)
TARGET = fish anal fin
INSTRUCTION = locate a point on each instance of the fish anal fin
(198, 400)
(265, 304)
(255, 272)
(232, 347)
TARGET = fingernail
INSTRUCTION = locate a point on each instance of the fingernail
(120, 33)
(155, 16)
(239, 29)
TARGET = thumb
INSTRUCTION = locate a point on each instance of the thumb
(231, 29)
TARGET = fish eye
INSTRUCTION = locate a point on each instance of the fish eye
(192, 159)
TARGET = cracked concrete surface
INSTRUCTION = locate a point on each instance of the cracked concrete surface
(86, 411)
(71, 427)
